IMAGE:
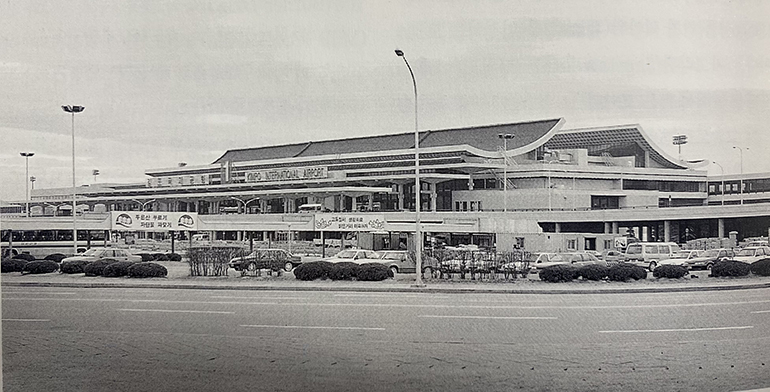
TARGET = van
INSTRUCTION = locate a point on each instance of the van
(649, 254)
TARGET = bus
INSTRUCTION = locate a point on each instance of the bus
(41, 243)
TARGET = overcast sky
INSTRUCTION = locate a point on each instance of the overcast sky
(165, 82)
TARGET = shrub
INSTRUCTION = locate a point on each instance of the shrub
(343, 271)
(761, 267)
(40, 267)
(669, 271)
(174, 257)
(12, 265)
(211, 261)
(57, 257)
(594, 272)
(25, 256)
(160, 257)
(97, 267)
(147, 270)
(73, 266)
(118, 269)
(313, 270)
(622, 272)
(146, 257)
(374, 272)
(559, 273)
(730, 268)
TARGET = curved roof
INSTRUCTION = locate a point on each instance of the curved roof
(605, 137)
(528, 135)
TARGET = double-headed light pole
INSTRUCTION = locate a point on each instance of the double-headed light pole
(417, 192)
(26, 156)
(73, 110)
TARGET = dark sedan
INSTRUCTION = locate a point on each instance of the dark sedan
(272, 259)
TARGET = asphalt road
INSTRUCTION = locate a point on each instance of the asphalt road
(62, 339)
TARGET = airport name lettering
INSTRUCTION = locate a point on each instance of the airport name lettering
(301, 173)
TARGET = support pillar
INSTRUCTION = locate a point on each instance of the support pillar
(667, 230)
(433, 196)
(557, 227)
(615, 228)
(400, 190)
(607, 228)
(721, 225)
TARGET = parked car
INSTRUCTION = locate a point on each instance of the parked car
(681, 258)
(272, 259)
(359, 256)
(95, 254)
(649, 254)
(707, 258)
(751, 254)
(611, 256)
(400, 261)
(574, 258)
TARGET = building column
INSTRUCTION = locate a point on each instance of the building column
(400, 190)
(557, 227)
(667, 230)
(607, 228)
(433, 196)
(470, 182)
(615, 228)
(371, 201)
(721, 225)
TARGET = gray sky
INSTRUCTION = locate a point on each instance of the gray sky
(183, 81)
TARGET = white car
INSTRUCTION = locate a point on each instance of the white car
(751, 254)
(358, 256)
(681, 258)
(95, 254)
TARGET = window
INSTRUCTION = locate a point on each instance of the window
(608, 244)
(520, 242)
(650, 249)
(572, 244)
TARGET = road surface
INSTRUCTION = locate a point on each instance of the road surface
(71, 339)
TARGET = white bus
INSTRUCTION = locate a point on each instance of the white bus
(41, 243)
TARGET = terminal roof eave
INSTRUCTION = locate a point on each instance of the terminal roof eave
(215, 195)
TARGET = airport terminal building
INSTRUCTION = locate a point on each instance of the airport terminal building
(531, 184)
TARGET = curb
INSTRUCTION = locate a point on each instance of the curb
(441, 290)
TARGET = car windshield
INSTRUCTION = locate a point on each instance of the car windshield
(745, 252)
(681, 254)
(561, 258)
(346, 254)
(711, 253)
(392, 256)
(92, 252)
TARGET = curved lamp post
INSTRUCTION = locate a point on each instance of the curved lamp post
(73, 109)
(418, 199)
(723, 180)
(26, 156)
(741, 151)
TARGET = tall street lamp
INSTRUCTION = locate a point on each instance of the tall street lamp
(741, 150)
(26, 156)
(505, 137)
(417, 223)
(723, 180)
(73, 109)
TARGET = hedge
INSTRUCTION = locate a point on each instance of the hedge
(57, 257)
(147, 270)
(559, 273)
(12, 265)
(25, 256)
(730, 268)
(622, 272)
(40, 267)
(117, 269)
(160, 257)
(97, 267)
(669, 271)
(374, 272)
(146, 257)
(594, 271)
(174, 257)
(761, 267)
(344, 271)
(313, 270)
(73, 266)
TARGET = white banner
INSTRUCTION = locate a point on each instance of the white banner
(349, 222)
(153, 221)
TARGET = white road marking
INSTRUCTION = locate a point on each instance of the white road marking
(264, 297)
(175, 311)
(37, 292)
(761, 311)
(678, 330)
(313, 327)
(394, 295)
(489, 317)
(26, 320)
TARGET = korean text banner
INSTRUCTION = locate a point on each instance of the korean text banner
(153, 221)
(349, 222)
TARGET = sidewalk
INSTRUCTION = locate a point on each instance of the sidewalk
(179, 279)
